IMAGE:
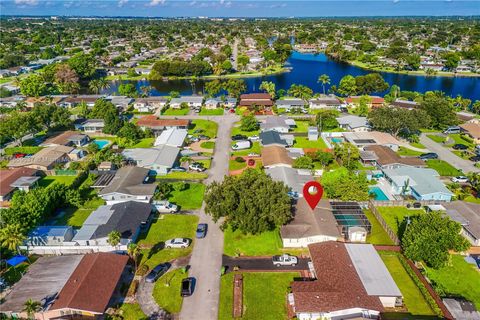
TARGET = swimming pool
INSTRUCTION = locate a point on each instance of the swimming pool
(101, 143)
(337, 140)
(379, 194)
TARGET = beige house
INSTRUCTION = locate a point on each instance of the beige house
(44, 159)
(472, 130)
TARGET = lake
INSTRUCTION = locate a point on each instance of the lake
(305, 69)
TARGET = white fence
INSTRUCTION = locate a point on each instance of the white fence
(64, 250)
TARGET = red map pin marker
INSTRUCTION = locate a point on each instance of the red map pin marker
(312, 192)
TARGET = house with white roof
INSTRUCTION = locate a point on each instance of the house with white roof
(191, 101)
(353, 123)
(420, 183)
(159, 159)
(278, 124)
(171, 137)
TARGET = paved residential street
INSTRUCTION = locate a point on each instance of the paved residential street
(206, 259)
(255, 263)
(446, 155)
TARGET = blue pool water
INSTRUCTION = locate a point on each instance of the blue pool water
(101, 143)
(337, 140)
(379, 195)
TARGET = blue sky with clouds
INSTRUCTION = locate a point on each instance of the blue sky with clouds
(240, 8)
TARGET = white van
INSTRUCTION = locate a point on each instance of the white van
(242, 144)
(453, 129)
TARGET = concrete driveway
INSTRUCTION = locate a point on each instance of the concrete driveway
(206, 259)
(445, 154)
(261, 264)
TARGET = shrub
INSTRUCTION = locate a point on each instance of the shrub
(239, 159)
(142, 270)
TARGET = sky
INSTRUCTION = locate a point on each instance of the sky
(240, 8)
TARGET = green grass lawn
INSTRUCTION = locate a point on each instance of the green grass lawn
(437, 139)
(206, 163)
(236, 130)
(302, 126)
(464, 154)
(472, 199)
(394, 216)
(458, 279)
(412, 296)
(183, 176)
(443, 168)
(75, 217)
(417, 145)
(264, 295)
(27, 150)
(166, 291)
(190, 198)
(144, 143)
(256, 148)
(208, 145)
(266, 243)
(209, 128)
(132, 311)
(235, 165)
(402, 151)
(47, 180)
(303, 142)
(166, 227)
(211, 112)
(461, 139)
(378, 234)
(176, 112)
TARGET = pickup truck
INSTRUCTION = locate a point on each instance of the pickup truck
(164, 207)
(284, 260)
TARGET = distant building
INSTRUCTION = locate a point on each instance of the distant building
(328, 102)
(50, 236)
(374, 101)
(468, 215)
(171, 137)
(472, 130)
(406, 104)
(292, 178)
(278, 124)
(275, 156)
(354, 123)
(256, 99)
(385, 158)
(190, 101)
(150, 104)
(93, 126)
(66, 138)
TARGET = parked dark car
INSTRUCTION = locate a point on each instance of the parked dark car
(201, 230)
(157, 272)
(178, 169)
(428, 156)
(238, 137)
(460, 146)
(475, 158)
(187, 287)
(203, 137)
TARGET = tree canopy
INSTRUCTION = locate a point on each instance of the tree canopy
(251, 202)
(345, 185)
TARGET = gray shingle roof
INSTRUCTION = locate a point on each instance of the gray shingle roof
(271, 137)
(129, 180)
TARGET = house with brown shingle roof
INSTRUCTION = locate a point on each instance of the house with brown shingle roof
(44, 159)
(256, 99)
(386, 158)
(275, 156)
(16, 179)
(352, 282)
(472, 130)
(66, 138)
(158, 125)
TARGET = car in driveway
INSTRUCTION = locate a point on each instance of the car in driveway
(201, 230)
(254, 138)
(460, 146)
(157, 272)
(475, 158)
(242, 144)
(178, 169)
(238, 137)
(428, 156)
(187, 287)
(165, 207)
(284, 260)
(197, 166)
(460, 179)
(177, 243)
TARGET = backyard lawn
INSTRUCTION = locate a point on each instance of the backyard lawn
(176, 112)
(236, 130)
(264, 295)
(207, 127)
(394, 216)
(303, 142)
(75, 217)
(183, 176)
(402, 151)
(211, 112)
(190, 198)
(166, 227)
(302, 126)
(166, 291)
(458, 279)
(47, 180)
(443, 168)
(412, 296)
(145, 143)
(378, 235)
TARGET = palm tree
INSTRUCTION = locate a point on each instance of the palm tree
(133, 251)
(324, 79)
(31, 306)
(11, 237)
(146, 90)
(97, 85)
(114, 238)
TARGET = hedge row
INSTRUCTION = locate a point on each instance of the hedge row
(27, 150)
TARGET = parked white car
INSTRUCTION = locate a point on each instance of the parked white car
(243, 144)
(165, 206)
(460, 179)
(284, 260)
(177, 243)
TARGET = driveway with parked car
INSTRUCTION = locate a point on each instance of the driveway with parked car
(262, 264)
(446, 155)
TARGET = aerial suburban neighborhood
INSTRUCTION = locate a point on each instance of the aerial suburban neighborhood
(157, 162)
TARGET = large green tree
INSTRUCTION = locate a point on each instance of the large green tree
(12, 237)
(327, 119)
(430, 236)
(251, 202)
(249, 123)
(33, 86)
(345, 185)
(439, 109)
(83, 64)
(398, 121)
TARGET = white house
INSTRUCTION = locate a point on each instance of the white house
(159, 159)
(150, 104)
(354, 123)
(328, 102)
(93, 126)
(171, 137)
(191, 101)
(278, 124)
(212, 103)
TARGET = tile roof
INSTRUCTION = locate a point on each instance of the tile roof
(151, 121)
(60, 138)
(7, 177)
(337, 286)
(92, 284)
(45, 157)
(472, 129)
(273, 155)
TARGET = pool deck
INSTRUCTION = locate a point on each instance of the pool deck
(383, 185)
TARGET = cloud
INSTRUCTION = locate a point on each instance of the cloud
(153, 3)
(396, 1)
(27, 2)
(193, 3)
(122, 2)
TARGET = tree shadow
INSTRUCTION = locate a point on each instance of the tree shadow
(155, 249)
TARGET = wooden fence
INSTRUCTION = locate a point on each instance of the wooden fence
(388, 230)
